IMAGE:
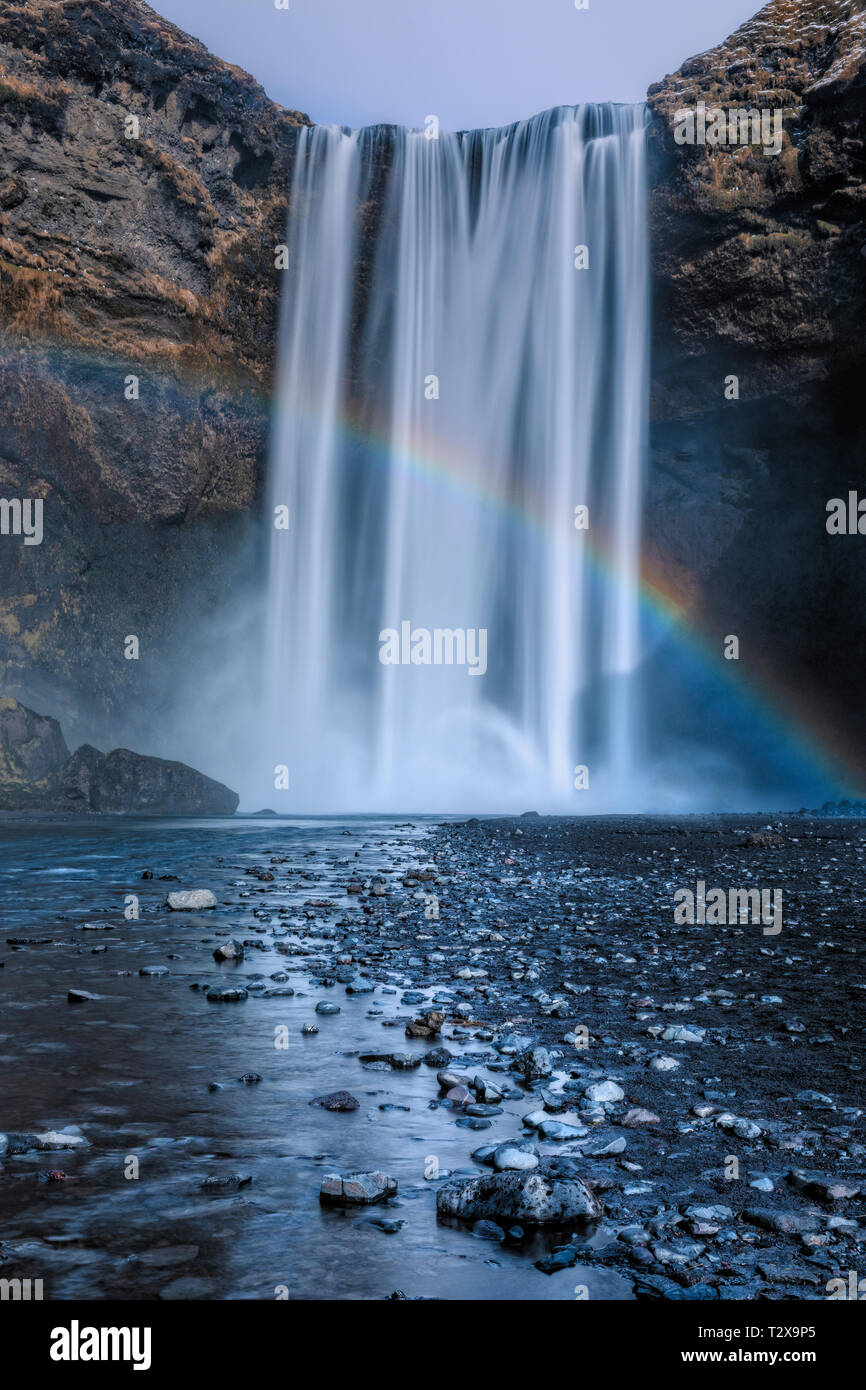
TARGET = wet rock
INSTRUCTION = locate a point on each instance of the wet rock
(557, 1132)
(191, 900)
(390, 1225)
(405, 1061)
(60, 1139)
(535, 1063)
(563, 1257)
(226, 994)
(80, 996)
(488, 1230)
(512, 1158)
(229, 1183)
(231, 949)
(324, 1006)
(430, 1026)
(154, 970)
(531, 1199)
(357, 1189)
(340, 1101)
(459, 1095)
(485, 1091)
(553, 1102)
(448, 1079)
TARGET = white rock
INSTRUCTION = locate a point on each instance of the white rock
(744, 1129)
(194, 900)
(664, 1064)
(684, 1035)
(763, 1184)
(604, 1092)
(507, 1158)
(53, 1139)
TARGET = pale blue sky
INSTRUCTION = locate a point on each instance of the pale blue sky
(469, 62)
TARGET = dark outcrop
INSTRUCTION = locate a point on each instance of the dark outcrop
(37, 773)
(760, 272)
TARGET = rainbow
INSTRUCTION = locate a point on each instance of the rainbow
(791, 718)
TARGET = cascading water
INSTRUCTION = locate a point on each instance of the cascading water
(464, 365)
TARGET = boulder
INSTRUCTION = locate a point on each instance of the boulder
(531, 1199)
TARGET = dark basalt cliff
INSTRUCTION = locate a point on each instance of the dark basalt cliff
(150, 256)
(153, 256)
(760, 272)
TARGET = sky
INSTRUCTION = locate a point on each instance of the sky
(470, 62)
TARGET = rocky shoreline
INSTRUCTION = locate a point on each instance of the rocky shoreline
(714, 1069)
(597, 1088)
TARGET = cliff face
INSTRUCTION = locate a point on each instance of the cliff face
(142, 193)
(760, 273)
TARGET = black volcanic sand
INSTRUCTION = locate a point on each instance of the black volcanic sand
(558, 965)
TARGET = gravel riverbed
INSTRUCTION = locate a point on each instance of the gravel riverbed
(428, 1059)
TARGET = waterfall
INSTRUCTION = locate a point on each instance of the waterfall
(463, 366)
